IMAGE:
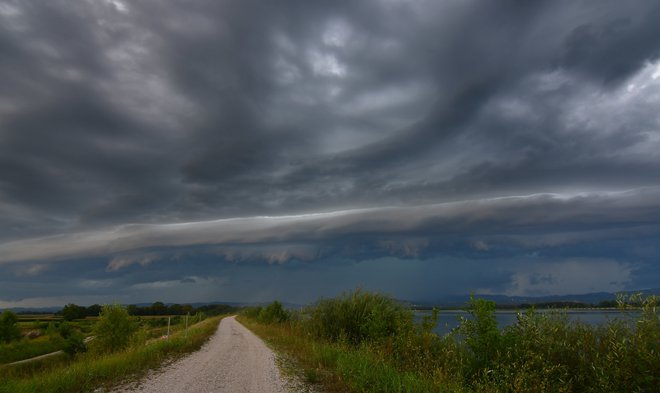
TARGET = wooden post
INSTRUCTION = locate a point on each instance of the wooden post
(186, 335)
(168, 327)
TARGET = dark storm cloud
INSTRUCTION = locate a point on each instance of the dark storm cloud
(119, 120)
(266, 103)
(512, 215)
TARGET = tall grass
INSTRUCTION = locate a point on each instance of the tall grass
(90, 371)
(338, 366)
(26, 348)
(367, 342)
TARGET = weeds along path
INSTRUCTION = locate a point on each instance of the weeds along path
(233, 360)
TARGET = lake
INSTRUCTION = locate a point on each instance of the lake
(448, 319)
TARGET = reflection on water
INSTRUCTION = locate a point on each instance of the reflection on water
(447, 320)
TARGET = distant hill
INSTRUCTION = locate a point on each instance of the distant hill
(33, 310)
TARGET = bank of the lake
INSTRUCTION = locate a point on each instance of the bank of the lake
(367, 342)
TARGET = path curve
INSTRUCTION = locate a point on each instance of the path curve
(233, 360)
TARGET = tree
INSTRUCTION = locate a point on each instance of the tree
(132, 309)
(113, 330)
(175, 309)
(273, 313)
(158, 308)
(481, 333)
(93, 311)
(187, 309)
(74, 340)
(9, 327)
(73, 311)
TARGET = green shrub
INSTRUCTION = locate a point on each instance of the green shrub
(65, 329)
(113, 330)
(252, 312)
(549, 353)
(75, 343)
(9, 330)
(416, 347)
(357, 317)
(482, 336)
(273, 313)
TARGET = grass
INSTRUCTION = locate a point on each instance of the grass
(337, 367)
(365, 342)
(51, 339)
(27, 348)
(89, 372)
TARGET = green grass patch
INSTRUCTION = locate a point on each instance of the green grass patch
(27, 348)
(338, 367)
(366, 373)
(88, 371)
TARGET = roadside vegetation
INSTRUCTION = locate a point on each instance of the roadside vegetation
(367, 342)
(95, 351)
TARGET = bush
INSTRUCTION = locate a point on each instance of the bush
(547, 352)
(9, 330)
(273, 313)
(252, 312)
(357, 317)
(113, 330)
(481, 333)
(65, 330)
(74, 344)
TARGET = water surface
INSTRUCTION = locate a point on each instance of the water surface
(448, 319)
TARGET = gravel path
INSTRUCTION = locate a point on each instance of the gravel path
(233, 360)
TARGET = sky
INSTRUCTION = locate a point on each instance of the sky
(218, 150)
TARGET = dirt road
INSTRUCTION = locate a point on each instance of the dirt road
(234, 360)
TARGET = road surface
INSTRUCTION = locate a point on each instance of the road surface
(233, 360)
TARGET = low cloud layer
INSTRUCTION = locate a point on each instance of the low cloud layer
(133, 133)
(537, 214)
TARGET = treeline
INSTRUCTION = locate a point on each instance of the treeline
(559, 305)
(73, 311)
(540, 306)
(552, 305)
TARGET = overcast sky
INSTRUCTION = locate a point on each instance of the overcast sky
(246, 150)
